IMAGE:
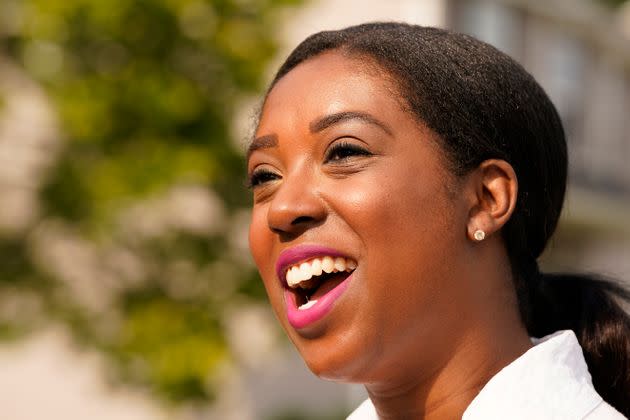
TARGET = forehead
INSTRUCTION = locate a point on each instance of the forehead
(329, 83)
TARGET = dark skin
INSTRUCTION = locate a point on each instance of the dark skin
(431, 314)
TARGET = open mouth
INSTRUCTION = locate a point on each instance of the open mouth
(310, 280)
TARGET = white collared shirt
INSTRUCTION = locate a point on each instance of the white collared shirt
(549, 381)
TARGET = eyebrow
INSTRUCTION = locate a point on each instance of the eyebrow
(271, 140)
(262, 142)
(339, 117)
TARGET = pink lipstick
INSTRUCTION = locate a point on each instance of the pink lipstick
(300, 318)
(315, 295)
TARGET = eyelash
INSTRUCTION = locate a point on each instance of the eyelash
(338, 152)
(261, 176)
(345, 150)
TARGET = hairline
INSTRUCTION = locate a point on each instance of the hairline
(396, 86)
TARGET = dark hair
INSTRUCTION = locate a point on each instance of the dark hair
(484, 105)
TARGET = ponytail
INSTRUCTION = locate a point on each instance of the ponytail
(592, 308)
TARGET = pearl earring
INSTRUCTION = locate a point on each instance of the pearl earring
(479, 235)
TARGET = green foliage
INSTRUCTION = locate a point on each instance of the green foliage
(145, 91)
(176, 340)
(613, 3)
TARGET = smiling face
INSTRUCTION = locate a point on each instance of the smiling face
(340, 169)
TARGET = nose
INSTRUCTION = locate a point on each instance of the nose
(296, 206)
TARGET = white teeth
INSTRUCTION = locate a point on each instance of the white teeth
(307, 305)
(293, 276)
(316, 267)
(340, 264)
(305, 271)
(328, 265)
(300, 274)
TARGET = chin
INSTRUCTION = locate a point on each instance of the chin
(327, 369)
(335, 359)
(332, 372)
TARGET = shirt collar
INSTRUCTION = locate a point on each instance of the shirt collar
(550, 380)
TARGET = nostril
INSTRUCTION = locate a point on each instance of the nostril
(294, 211)
(295, 227)
(301, 220)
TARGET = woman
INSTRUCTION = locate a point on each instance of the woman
(405, 180)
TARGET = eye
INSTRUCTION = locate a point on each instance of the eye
(343, 150)
(260, 177)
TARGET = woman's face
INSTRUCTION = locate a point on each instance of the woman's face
(342, 173)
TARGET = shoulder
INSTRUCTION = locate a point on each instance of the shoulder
(551, 380)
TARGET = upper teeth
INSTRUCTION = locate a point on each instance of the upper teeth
(303, 271)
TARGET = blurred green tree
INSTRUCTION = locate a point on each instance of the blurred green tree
(136, 239)
(613, 3)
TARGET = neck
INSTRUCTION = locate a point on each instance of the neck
(418, 402)
(457, 380)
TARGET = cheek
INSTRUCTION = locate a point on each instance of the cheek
(408, 228)
(404, 204)
(261, 245)
(405, 228)
(260, 242)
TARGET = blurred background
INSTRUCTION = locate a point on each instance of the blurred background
(126, 287)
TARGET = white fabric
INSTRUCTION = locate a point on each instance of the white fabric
(550, 381)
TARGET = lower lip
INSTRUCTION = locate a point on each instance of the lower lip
(305, 317)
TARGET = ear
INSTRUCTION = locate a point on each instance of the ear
(493, 189)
